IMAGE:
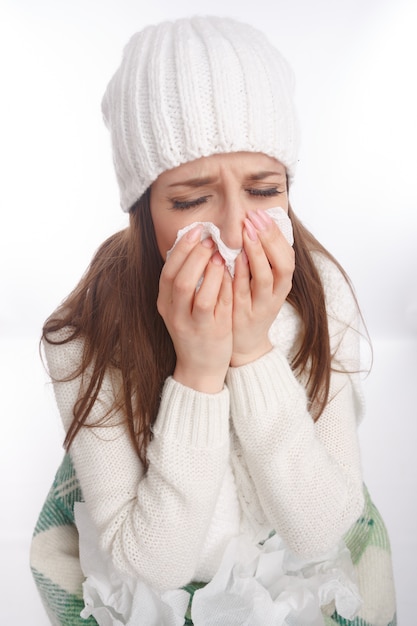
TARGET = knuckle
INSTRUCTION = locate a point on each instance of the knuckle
(167, 274)
(202, 305)
(226, 300)
(183, 286)
(265, 282)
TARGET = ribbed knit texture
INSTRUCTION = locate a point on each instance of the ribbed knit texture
(193, 88)
(209, 426)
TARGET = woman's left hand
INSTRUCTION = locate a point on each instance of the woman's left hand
(263, 280)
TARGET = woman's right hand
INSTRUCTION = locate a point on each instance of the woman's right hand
(199, 322)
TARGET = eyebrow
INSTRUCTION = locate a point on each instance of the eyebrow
(194, 182)
(200, 182)
(264, 174)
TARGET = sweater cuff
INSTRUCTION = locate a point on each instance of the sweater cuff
(261, 384)
(196, 419)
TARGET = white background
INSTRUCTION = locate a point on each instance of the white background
(355, 64)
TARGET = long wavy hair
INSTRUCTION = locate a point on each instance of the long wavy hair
(113, 308)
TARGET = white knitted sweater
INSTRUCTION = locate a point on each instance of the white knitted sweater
(248, 459)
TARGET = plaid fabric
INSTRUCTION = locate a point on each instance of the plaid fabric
(55, 550)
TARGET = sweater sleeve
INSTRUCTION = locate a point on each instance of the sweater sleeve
(307, 475)
(153, 524)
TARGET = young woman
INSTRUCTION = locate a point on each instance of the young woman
(206, 368)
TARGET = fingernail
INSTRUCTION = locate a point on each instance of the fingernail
(195, 233)
(256, 220)
(267, 219)
(250, 230)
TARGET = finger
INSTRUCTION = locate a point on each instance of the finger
(273, 240)
(181, 274)
(206, 299)
(277, 251)
(260, 269)
(281, 257)
(181, 251)
(185, 283)
(225, 300)
(241, 282)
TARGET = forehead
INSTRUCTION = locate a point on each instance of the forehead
(242, 163)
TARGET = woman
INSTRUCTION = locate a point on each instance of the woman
(206, 368)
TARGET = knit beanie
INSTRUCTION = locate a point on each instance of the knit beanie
(193, 88)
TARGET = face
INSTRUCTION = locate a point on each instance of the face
(222, 188)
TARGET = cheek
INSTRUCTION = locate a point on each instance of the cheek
(165, 232)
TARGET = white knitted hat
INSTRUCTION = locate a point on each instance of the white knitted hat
(193, 88)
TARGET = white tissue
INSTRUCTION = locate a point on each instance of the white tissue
(269, 586)
(255, 585)
(229, 255)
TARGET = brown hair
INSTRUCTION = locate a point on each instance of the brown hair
(113, 308)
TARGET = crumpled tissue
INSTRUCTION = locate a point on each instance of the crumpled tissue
(229, 255)
(267, 585)
(255, 585)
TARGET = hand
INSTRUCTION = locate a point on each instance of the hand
(263, 279)
(199, 322)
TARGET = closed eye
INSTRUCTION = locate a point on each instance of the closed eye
(272, 191)
(188, 204)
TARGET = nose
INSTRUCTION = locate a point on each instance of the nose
(230, 224)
